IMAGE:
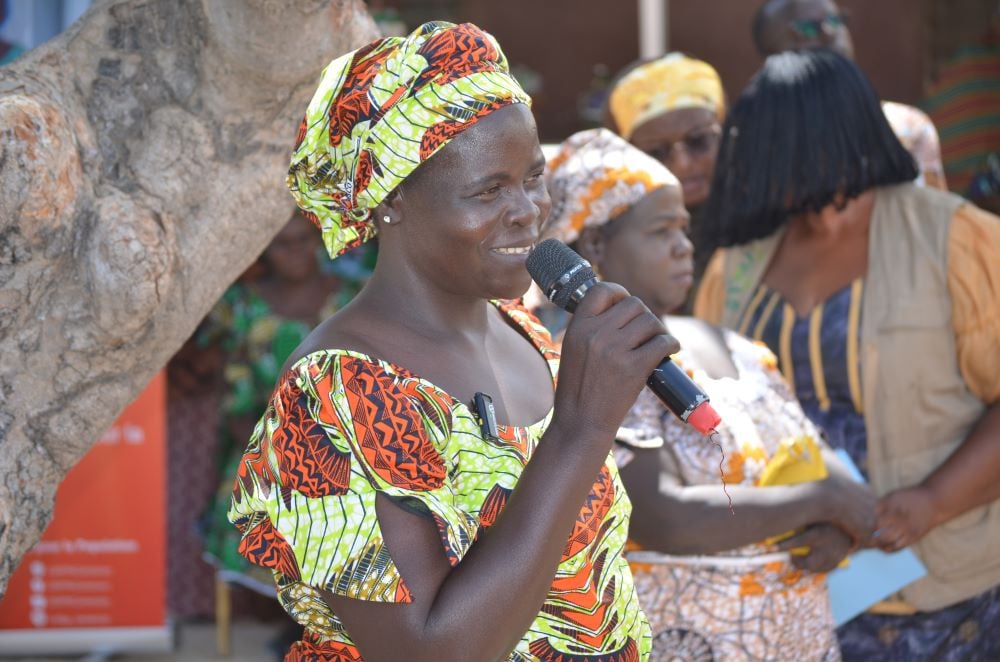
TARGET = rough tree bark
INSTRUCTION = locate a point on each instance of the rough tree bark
(142, 161)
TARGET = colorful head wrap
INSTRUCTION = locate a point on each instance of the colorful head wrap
(594, 177)
(674, 81)
(384, 109)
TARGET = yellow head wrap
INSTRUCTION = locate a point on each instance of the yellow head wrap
(674, 81)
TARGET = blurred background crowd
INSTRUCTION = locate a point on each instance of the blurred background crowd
(678, 94)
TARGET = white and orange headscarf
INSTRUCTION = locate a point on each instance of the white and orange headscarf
(672, 82)
(594, 177)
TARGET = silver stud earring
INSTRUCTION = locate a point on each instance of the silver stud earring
(386, 219)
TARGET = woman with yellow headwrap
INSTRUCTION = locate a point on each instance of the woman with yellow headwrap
(712, 585)
(672, 108)
(418, 485)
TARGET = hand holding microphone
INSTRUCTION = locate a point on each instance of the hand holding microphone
(565, 278)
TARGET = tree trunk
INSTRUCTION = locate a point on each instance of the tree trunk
(142, 162)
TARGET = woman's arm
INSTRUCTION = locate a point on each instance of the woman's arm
(673, 518)
(481, 608)
(967, 479)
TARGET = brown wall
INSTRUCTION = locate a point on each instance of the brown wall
(890, 44)
(888, 41)
(563, 40)
(953, 24)
(717, 31)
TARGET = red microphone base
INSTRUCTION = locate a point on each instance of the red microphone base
(704, 418)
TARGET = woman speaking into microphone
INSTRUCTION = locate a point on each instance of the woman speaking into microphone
(419, 485)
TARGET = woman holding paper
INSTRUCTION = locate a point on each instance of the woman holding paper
(882, 300)
(710, 584)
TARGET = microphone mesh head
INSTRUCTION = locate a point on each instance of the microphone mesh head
(550, 262)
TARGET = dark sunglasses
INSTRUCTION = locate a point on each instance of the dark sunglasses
(811, 29)
(695, 144)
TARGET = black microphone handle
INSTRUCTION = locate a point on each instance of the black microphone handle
(677, 391)
(670, 384)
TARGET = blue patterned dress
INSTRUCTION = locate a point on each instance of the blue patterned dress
(818, 354)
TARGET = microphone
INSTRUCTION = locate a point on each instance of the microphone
(565, 277)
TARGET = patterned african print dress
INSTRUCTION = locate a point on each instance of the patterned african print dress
(819, 357)
(342, 427)
(750, 603)
(256, 342)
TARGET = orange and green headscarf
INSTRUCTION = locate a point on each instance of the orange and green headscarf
(384, 109)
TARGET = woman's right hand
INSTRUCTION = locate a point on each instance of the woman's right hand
(828, 545)
(851, 506)
(612, 344)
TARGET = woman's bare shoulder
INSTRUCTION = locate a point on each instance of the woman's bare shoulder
(344, 330)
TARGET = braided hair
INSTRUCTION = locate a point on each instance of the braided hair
(808, 131)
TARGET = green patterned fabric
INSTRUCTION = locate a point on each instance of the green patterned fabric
(384, 109)
(255, 341)
(342, 428)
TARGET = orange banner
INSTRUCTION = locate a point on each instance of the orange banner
(99, 572)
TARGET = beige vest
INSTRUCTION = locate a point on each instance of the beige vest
(918, 409)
